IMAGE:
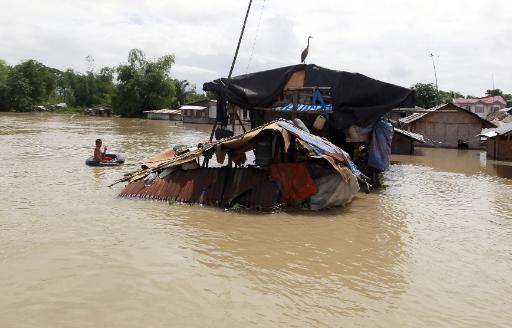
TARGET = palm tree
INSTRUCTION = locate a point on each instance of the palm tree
(182, 91)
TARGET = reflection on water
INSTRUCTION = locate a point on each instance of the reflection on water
(431, 249)
(457, 160)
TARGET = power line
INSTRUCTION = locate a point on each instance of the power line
(256, 36)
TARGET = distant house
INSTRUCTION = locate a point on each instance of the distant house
(203, 111)
(398, 113)
(448, 126)
(98, 111)
(500, 117)
(195, 114)
(499, 142)
(164, 114)
(40, 108)
(481, 106)
(403, 142)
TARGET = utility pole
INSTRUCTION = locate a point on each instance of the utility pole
(435, 75)
(234, 113)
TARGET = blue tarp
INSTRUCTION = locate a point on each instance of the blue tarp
(306, 108)
(380, 146)
(319, 145)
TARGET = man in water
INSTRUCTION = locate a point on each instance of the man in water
(98, 155)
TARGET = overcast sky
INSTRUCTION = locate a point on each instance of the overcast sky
(388, 40)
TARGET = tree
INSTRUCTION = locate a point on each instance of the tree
(426, 95)
(508, 99)
(186, 92)
(4, 75)
(143, 84)
(89, 89)
(181, 91)
(494, 92)
(448, 96)
(30, 83)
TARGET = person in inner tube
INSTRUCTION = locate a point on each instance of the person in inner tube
(100, 156)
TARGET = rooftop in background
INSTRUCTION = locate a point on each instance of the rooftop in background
(504, 129)
(415, 136)
(192, 107)
(442, 108)
(484, 100)
(164, 111)
(413, 117)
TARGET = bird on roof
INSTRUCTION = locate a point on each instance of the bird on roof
(305, 52)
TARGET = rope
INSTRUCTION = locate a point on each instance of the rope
(256, 36)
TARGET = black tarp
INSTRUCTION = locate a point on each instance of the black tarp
(356, 98)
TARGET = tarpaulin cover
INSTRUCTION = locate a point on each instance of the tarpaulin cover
(356, 98)
(296, 183)
(380, 146)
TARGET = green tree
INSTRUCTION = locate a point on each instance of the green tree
(448, 96)
(30, 83)
(186, 93)
(143, 85)
(89, 89)
(4, 75)
(426, 95)
(182, 91)
(494, 92)
(508, 99)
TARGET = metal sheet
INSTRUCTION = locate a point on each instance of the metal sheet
(249, 187)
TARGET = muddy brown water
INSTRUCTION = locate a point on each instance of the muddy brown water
(432, 249)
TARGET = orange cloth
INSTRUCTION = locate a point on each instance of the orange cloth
(295, 179)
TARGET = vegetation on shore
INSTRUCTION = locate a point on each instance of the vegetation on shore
(130, 88)
(428, 97)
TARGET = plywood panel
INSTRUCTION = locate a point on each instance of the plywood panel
(296, 80)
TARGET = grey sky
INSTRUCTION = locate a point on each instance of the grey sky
(387, 40)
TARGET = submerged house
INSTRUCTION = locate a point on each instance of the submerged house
(205, 112)
(98, 111)
(202, 111)
(164, 114)
(306, 123)
(499, 143)
(290, 167)
(448, 126)
(403, 142)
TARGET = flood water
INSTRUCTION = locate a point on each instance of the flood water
(432, 249)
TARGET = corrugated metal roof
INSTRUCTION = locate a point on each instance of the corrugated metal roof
(249, 187)
(415, 136)
(440, 108)
(413, 117)
(164, 111)
(320, 145)
(485, 100)
(191, 107)
(504, 129)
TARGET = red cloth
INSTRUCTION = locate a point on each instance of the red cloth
(295, 179)
(107, 158)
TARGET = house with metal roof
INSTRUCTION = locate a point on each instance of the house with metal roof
(499, 142)
(164, 114)
(481, 106)
(205, 112)
(448, 126)
(404, 141)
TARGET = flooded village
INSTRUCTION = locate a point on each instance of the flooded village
(292, 184)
